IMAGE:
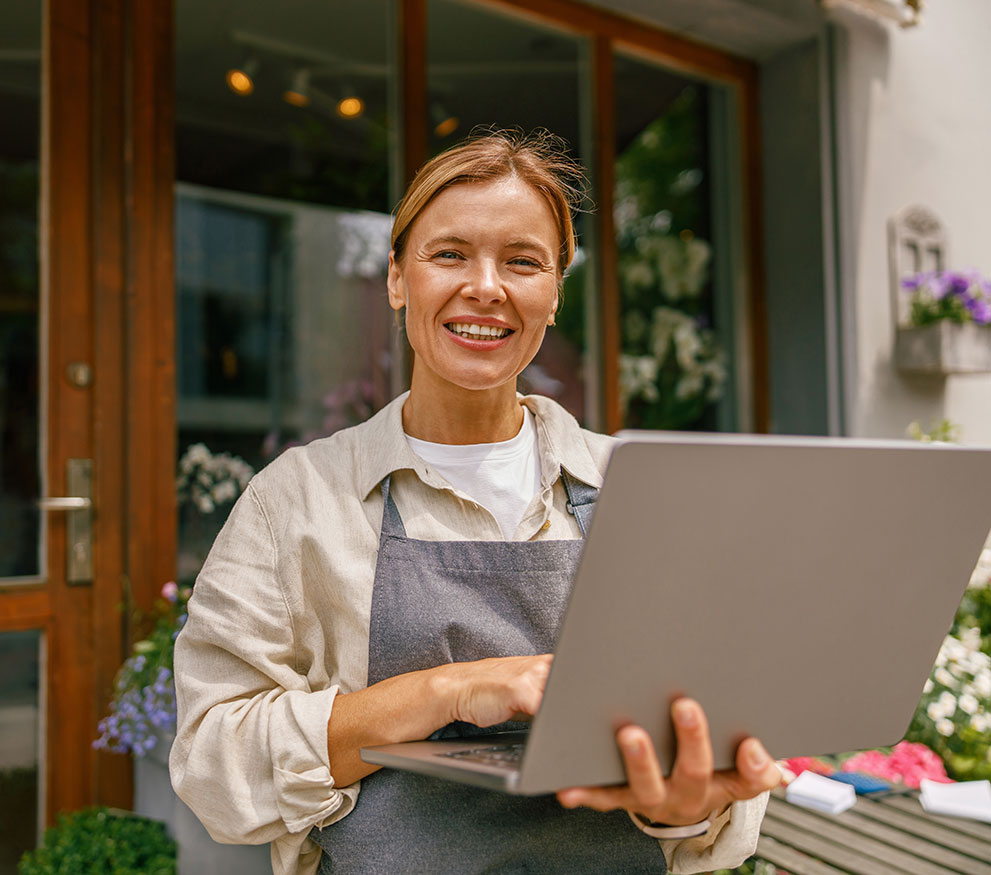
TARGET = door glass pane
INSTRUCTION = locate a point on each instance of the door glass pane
(487, 68)
(673, 363)
(282, 231)
(20, 80)
(20, 676)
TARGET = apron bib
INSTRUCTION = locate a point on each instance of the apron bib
(436, 602)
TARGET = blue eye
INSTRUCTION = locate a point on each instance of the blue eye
(447, 254)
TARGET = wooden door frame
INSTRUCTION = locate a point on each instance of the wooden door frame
(609, 32)
(106, 225)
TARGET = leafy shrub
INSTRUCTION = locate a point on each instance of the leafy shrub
(96, 841)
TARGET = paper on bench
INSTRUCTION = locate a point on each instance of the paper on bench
(823, 794)
(966, 799)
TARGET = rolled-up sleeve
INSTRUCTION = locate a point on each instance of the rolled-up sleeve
(250, 756)
(731, 838)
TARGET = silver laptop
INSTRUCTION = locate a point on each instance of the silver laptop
(798, 588)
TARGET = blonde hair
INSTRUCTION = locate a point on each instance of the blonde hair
(538, 158)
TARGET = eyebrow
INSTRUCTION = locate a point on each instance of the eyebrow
(527, 243)
(450, 238)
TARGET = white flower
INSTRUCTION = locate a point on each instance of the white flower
(982, 723)
(637, 378)
(945, 727)
(982, 684)
(943, 677)
(970, 638)
(968, 704)
(936, 712)
(928, 687)
(690, 385)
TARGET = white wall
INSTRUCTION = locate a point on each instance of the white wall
(913, 125)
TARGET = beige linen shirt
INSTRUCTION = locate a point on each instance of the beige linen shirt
(279, 618)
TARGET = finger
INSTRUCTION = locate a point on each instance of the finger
(688, 785)
(755, 772)
(643, 771)
(597, 798)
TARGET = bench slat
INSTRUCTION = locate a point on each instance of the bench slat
(918, 822)
(848, 837)
(795, 861)
(973, 828)
(825, 849)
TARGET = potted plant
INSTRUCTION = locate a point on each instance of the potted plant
(98, 840)
(949, 330)
(142, 713)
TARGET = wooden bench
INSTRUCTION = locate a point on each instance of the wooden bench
(878, 836)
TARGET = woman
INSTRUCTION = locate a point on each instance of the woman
(406, 577)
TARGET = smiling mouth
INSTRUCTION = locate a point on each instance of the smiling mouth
(470, 331)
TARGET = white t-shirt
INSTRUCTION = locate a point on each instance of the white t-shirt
(502, 477)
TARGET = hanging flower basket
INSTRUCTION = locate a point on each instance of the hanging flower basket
(950, 330)
(944, 348)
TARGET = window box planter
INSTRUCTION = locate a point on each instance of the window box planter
(944, 347)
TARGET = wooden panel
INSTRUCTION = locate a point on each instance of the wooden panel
(753, 231)
(677, 52)
(23, 607)
(66, 271)
(412, 20)
(149, 320)
(604, 175)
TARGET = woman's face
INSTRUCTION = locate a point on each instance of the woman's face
(479, 281)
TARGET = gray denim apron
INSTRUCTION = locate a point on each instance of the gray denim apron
(454, 601)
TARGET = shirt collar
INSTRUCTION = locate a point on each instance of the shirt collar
(384, 448)
(561, 443)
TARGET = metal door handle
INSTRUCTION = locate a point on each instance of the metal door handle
(79, 520)
(71, 502)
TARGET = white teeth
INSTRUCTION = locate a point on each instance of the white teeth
(474, 332)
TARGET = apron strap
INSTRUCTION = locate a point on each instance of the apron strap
(581, 500)
(392, 522)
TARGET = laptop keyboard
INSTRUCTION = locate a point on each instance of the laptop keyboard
(502, 756)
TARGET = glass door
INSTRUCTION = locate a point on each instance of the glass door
(22, 636)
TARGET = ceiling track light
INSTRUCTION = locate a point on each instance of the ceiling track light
(298, 93)
(350, 106)
(444, 123)
(241, 80)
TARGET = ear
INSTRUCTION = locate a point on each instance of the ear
(551, 318)
(395, 284)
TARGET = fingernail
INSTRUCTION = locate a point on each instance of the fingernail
(684, 715)
(633, 744)
(757, 756)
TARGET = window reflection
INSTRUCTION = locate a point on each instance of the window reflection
(284, 332)
(494, 70)
(672, 366)
(20, 679)
(20, 80)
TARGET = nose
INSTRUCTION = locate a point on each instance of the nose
(485, 284)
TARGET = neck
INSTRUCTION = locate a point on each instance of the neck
(454, 415)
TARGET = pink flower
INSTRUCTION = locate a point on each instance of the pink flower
(908, 763)
(170, 592)
(797, 765)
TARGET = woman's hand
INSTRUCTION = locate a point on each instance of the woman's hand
(410, 706)
(693, 790)
(491, 691)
